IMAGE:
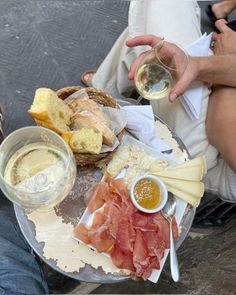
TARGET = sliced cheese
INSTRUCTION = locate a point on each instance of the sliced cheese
(194, 188)
(158, 165)
(194, 173)
(184, 196)
(199, 161)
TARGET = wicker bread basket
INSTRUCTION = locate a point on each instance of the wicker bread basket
(103, 98)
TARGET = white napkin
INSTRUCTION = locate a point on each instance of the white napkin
(192, 98)
(141, 124)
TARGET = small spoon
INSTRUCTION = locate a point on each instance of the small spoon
(169, 211)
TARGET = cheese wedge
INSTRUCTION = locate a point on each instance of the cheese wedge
(195, 188)
(184, 196)
(199, 161)
(194, 173)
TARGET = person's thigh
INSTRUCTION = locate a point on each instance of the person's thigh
(221, 123)
(175, 20)
(19, 271)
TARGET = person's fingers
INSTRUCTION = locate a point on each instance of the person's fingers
(179, 88)
(221, 26)
(134, 65)
(150, 40)
(214, 39)
(224, 20)
(214, 36)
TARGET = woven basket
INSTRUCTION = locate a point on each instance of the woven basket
(103, 98)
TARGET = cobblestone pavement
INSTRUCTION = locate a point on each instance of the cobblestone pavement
(50, 43)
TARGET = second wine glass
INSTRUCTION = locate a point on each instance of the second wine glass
(37, 168)
(159, 70)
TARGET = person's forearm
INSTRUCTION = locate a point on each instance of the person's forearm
(217, 69)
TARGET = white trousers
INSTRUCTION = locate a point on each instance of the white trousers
(177, 21)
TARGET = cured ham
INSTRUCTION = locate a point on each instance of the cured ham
(81, 232)
(141, 256)
(135, 240)
(99, 193)
(101, 239)
(122, 260)
(125, 236)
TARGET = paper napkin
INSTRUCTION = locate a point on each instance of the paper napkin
(141, 124)
(192, 98)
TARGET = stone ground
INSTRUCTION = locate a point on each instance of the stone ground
(50, 43)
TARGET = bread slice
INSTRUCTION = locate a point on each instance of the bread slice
(86, 104)
(86, 140)
(50, 111)
(86, 118)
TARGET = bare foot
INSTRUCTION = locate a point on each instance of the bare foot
(223, 8)
(87, 77)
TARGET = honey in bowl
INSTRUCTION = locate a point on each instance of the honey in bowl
(147, 193)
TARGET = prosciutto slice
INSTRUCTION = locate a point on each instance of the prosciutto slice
(98, 196)
(135, 240)
(101, 239)
(81, 233)
(122, 260)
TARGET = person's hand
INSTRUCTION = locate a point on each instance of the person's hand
(150, 40)
(189, 74)
(225, 41)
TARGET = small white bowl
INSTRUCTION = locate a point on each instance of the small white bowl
(163, 189)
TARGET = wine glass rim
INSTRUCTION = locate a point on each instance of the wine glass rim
(68, 151)
(159, 45)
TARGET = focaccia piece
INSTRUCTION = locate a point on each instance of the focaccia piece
(50, 111)
(86, 104)
(86, 140)
(86, 118)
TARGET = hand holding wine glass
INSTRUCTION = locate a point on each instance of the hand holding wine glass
(164, 71)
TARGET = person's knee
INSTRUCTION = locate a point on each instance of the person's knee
(19, 271)
(220, 123)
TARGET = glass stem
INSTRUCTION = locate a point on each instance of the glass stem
(139, 99)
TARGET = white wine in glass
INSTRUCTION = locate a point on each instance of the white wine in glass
(38, 168)
(153, 81)
(159, 69)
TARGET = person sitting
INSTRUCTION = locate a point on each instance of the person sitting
(214, 133)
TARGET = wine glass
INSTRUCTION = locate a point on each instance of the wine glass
(159, 70)
(37, 168)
